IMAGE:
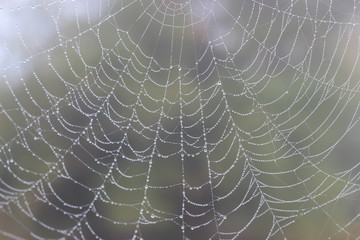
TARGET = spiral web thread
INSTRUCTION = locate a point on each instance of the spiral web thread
(160, 119)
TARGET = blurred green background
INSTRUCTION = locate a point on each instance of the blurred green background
(172, 119)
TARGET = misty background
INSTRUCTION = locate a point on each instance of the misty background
(179, 119)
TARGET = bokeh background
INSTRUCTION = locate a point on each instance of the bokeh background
(171, 119)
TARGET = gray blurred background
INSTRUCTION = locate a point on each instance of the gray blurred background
(170, 119)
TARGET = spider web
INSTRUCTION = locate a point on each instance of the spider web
(171, 119)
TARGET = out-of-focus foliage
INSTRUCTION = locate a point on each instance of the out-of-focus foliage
(170, 119)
